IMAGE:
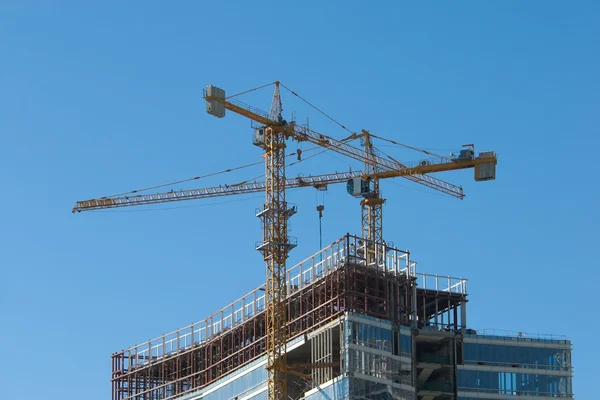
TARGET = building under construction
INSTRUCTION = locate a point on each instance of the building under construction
(377, 330)
(355, 320)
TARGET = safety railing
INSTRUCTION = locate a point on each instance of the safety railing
(442, 283)
(427, 161)
(349, 249)
(234, 314)
(499, 334)
(248, 107)
(552, 364)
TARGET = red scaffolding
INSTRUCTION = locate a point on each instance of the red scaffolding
(342, 282)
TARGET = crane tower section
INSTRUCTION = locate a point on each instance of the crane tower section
(276, 244)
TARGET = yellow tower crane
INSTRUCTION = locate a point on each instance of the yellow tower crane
(271, 136)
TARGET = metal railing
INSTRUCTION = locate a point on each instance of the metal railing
(515, 392)
(442, 283)
(565, 366)
(349, 249)
(234, 314)
(499, 334)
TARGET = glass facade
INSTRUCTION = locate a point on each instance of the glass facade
(509, 367)
(513, 384)
(378, 334)
(377, 363)
(338, 389)
(249, 383)
(365, 389)
(370, 336)
(521, 355)
(377, 358)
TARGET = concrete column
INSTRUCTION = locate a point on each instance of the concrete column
(463, 316)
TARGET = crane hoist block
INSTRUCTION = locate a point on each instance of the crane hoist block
(215, 107)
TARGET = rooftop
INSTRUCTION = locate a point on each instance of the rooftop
(301, 275)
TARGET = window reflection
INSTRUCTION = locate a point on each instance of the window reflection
(517, 356)
(514, 384)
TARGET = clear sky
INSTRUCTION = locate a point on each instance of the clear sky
(98, 98)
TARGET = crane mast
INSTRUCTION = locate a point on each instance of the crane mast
(275, 248)
(371, 204)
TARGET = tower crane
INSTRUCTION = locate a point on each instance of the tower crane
(271, 136)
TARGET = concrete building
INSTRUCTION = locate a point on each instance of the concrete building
(379, 330)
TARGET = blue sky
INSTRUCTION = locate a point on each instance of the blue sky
(97, 99)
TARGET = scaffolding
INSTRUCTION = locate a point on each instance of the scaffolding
(338, 278)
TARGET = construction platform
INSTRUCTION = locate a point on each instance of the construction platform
(336, 280)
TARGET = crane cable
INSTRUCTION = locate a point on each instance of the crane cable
(297, 95)
(260, 162)
(316, 108)
(251, 90)
(288, 165)
(353, 134)
(408, 147)
(340, 124)
(400, 165)
(219, 173)
(184, 180)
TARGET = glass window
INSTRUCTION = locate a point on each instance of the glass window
(514, 384)
(361, 389)
(517, 356)
(338, 390)
(406, 344)
(242, 386)
(371, 336)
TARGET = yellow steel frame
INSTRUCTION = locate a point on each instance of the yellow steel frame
(438, 167)
(372, 206)
(275, 251)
